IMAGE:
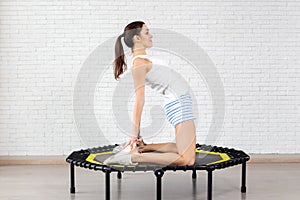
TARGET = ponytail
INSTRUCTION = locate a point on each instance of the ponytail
(132, 29)
(119, 64)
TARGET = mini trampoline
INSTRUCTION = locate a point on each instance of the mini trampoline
(208, 158)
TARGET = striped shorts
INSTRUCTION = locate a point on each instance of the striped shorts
(179, 110)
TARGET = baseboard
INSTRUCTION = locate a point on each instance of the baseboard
(32, 160)
(275, 158)
(61, 160)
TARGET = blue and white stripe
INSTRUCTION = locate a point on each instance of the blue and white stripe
(179, 110)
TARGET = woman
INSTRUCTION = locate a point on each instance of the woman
(178, 103)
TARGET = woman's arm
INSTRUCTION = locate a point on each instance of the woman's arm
(138, 109)
(139, 71)
(139, 74)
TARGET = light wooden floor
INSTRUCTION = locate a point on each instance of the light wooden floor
(51, 182)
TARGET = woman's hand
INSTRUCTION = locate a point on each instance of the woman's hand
(132, 142)
(140, 143)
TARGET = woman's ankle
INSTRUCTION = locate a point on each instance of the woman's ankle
(144, 149)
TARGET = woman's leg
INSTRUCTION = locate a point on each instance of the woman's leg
(160, 147)
(185, 144)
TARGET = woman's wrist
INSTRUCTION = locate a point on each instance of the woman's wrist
(136, 134)
(136, 131)
(135, 137)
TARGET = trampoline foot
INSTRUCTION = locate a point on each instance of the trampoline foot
(243, 188)
(194, 175)
(209, 185)
(72, 190)
(119, 175)
(72, 179)
(159, 174)
(107, 185)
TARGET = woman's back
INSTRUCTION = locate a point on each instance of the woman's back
(164, 79)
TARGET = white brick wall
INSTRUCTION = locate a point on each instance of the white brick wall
(254, 44)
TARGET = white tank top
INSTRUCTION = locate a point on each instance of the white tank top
(164, 79)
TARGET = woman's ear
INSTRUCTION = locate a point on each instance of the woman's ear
(136, 38)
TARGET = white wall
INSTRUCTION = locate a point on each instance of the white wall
(254, 45)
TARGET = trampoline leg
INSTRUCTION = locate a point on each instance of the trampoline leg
(194, 175)
(209, 185)
(119, 175)
(72, 178)
(107, 185)
(243, 188)
(159, 174)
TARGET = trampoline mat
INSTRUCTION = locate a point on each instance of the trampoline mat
(202, 157)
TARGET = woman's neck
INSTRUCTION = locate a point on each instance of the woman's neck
(137, 52)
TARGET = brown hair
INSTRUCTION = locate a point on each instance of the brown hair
(132, 29)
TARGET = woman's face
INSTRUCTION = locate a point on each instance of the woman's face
(145, 38)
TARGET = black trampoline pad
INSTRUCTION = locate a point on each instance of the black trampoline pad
(102, 157)
(202, 157)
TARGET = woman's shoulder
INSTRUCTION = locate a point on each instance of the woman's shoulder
(140, 59)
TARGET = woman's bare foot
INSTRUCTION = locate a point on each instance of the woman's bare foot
(141, 142)
(146, 148)
(135, 149)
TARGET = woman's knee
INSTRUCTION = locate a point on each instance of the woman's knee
(187, 160)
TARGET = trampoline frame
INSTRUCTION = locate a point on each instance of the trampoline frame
(78, 158)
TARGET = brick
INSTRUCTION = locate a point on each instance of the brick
(253, 45)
